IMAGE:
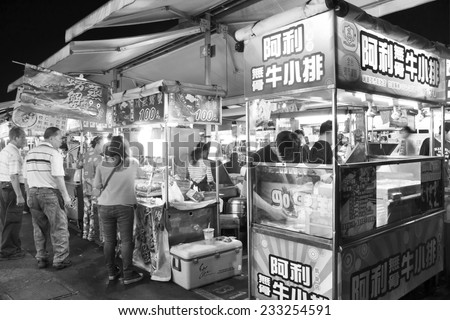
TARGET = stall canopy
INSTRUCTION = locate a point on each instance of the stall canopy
(130, 12)
(176, 53)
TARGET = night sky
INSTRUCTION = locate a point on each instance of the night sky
(33, 30)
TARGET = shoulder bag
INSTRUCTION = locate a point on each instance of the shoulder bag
(97, 192)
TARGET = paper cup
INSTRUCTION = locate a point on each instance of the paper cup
(209, 234)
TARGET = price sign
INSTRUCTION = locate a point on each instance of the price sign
(149, 109)
(144, 110)
(189, 108)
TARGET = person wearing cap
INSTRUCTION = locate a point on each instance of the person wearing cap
(12, 196)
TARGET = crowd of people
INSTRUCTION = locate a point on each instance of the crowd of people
(108, 186)
(38, 180)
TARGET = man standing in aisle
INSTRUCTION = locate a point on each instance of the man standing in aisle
(12, 196)
(47, 196)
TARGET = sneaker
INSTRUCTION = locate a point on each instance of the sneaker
(115, 274)
(63, 264)
(134, 277)
(42, 263)
(14, 256)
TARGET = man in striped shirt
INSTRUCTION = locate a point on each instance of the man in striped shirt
(47, 196)
(12, 195)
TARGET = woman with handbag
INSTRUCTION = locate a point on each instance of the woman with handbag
(116, 199)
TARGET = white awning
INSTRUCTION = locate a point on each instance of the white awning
(98, 58)
(132, 12)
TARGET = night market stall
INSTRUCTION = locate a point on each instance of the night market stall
(349, 221)
(162, 121)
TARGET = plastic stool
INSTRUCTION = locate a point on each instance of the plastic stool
(231, 222)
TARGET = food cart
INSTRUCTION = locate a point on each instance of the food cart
(161, 120)
(365, 225)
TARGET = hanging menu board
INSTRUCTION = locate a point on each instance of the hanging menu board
(145, 110)
(190, 108)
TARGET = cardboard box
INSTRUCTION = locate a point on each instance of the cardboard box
(199, 263)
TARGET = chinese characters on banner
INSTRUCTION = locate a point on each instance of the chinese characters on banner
(396, 61)
(145, 110)
(51, 92)
(36, 123)
(372, 62)
(394, 263)
(301, 273)
(294, 57)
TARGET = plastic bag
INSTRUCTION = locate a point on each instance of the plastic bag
(77, 176)
(175, 194)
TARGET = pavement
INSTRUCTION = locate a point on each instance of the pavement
(86, 279)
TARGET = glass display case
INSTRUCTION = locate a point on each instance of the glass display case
(357, 217)
(294, 198)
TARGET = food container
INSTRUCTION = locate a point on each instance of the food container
(209, 195)
(199, 263)
(237, 205)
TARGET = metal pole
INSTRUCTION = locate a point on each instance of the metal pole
(335, 232)
(208, 49)
(219, 152)
(249, 202)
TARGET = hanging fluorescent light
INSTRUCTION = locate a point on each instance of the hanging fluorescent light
(383, 99)
(408, 103)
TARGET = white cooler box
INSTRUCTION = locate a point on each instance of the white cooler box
(199, 263)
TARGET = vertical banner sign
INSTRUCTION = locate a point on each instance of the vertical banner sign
(288, 270)
(372, 62)
(151, 250)
(358, 200)
(189, 109)
(51, 92)
(394, 263)
(294, 57)
(145, 110)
